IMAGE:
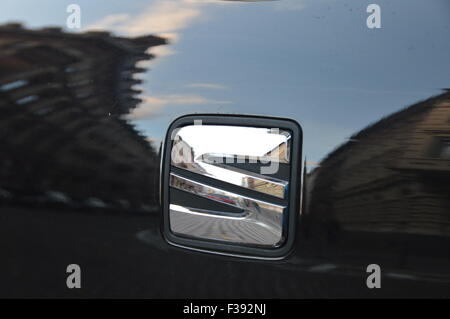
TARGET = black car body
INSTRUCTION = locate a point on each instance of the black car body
(82, 118)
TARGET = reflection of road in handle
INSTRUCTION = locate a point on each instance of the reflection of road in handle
(259, 223)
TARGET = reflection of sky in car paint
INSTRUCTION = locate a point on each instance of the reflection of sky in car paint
(314, 61)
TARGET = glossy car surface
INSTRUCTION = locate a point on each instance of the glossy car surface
(83, 112)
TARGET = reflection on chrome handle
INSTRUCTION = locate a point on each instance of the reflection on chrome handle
(208, 150)
(259, 224)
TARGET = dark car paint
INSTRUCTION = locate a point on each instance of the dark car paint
(380, 198)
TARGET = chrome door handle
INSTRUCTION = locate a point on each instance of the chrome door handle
(231, 184)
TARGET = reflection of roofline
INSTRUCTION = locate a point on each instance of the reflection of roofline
(121, 43)
(133, 131)
(119, 54)
(384, 122)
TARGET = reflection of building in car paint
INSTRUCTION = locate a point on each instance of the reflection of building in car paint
(62, 96)
(391, 177)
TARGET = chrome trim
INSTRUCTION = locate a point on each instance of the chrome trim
(261, 223)
(209, 149)
(222, 253)
(257, 182)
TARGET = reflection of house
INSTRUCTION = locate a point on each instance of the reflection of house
(390, 177)
(280, 152)
(183, 154)
(61, 98)
(276, 157)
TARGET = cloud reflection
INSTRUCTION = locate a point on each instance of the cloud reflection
(166, 18)
(152, 105)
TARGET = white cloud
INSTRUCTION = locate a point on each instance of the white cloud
(207, 86)
(166, 18)
(110, 21)
(152, 105)
(160, 17)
